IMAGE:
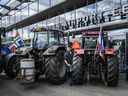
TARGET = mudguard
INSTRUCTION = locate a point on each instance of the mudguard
(53, 50)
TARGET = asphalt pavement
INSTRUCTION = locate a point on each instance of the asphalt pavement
(42, 88)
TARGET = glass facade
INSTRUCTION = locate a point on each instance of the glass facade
(31, 8)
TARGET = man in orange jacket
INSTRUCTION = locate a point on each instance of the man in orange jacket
(75, 44)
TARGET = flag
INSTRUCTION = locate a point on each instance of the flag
(100, 45)
(19, 42)
(100, 42)
(13, 47)
(110, 37)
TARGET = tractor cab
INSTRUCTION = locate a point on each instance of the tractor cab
(46, 37)
(90, 42)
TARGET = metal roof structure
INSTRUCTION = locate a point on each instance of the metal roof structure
(9, 5)
(40, 12)
(53, 11)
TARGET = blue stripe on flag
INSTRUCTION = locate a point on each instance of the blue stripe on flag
(19, 42)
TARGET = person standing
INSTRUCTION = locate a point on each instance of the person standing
(68, 57)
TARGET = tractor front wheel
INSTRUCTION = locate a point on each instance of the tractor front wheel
(1, 68)
(55, 69)
(112, 71)
(77, 75)
(12, 67)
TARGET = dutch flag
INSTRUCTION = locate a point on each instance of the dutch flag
(100, 45)
(101, 42)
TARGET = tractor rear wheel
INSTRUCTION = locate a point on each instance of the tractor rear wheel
(55, 69)
(1, 68)
(2, 65)
(112, 71)
(77, 75)
(12, 68)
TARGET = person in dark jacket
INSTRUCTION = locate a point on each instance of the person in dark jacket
(68, 60)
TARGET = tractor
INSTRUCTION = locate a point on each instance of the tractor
(90, 64)
(7, 57)
(9, 60)
(48, 53)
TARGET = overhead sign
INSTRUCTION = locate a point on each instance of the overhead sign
(121, 10)
(105, 16)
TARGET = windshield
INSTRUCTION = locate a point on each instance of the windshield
(40, 39)
(53, 37)
(47, 37)
(90, 43)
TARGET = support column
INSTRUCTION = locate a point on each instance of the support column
(126, 55)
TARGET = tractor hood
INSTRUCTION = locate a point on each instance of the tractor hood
(52, 50)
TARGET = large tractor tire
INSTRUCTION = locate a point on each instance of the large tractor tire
(1, 68)
(77, 75)
(12, 67)
(40, 68)
(56, 69)
(94, 70)
(2, 63)
(112, 71)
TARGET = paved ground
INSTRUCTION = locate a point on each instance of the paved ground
(13, 88)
